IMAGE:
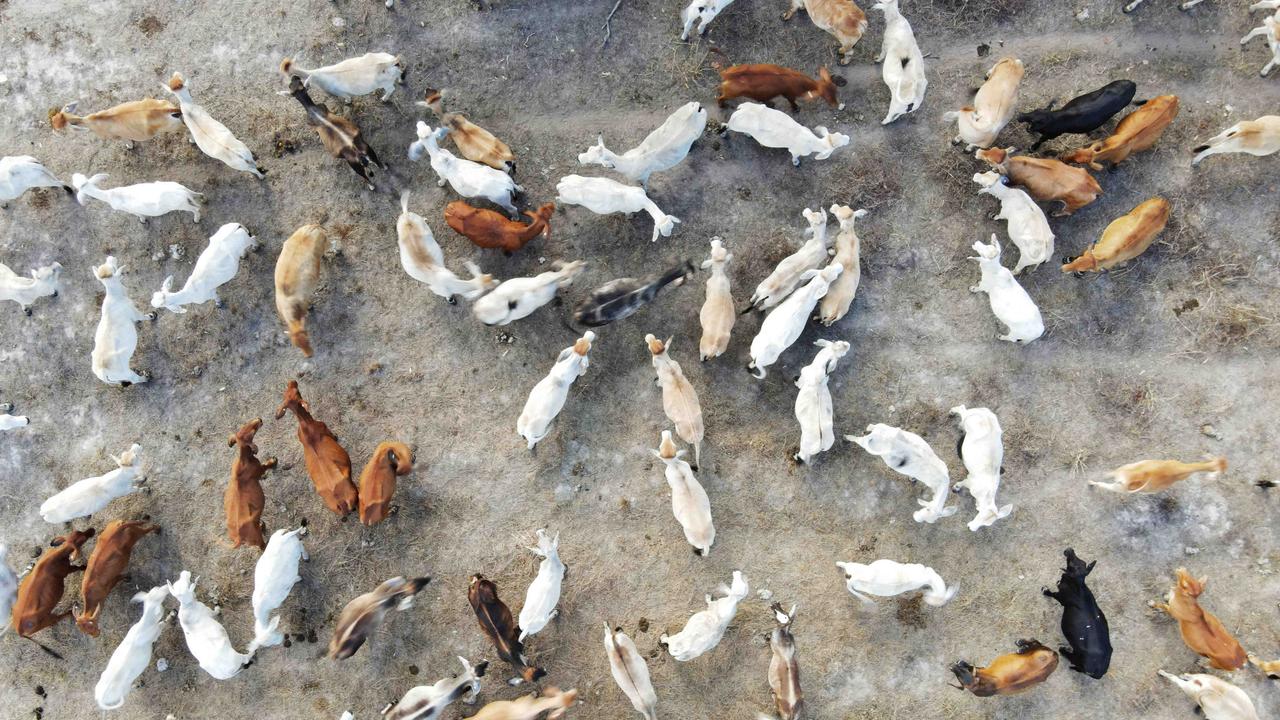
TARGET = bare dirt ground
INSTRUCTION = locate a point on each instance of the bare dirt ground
(1172, 357)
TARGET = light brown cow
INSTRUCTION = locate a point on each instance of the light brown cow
(1125, 238)
(1011, 673)
(297, 274)
(842, 18)
(474, 142)
(1201, 630)
(489, 229)
(107, 566)
(1138, 131)
(133, 121)
(1045, 178)
(1256, 137)
(1149, 476)
(378, 480)
(41, 590)
(766, 82)
(244, 499)
(327, 463)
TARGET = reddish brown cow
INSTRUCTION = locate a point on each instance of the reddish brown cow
(41, 590)
(244, 498)
(327, 463)
(106, 567)
(766, 82)
(489, 229)
(378, 480)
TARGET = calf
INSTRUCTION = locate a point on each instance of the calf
(364, 614)
(390, 460)
(1217, 698)
(842, 18)
(603, 196)
(993, 106)
(273, 578)
(496, 622)
(468, 179)
(623, 297)
(1008, 674)
(340, 136)
(1081, 114)
(1125, 238)
(86, 497)
(887, 578)
(1149, 476)
(132, 121)
(716, 316)
(1201, 630)
(630, 672)
(765, 82)
(902, 63)
(1083, 623)
(106, 568)
(661, 149)
(1256, 137)
(543, 595)
(297, 274)
(689, 501)
(775, 129)
(474, 142)
(1136, 132)
(428, 702)
(784, 671)
(1025, 222)
(982, 451)
(785, 278)
(908, 454)
(212, 137)
(206, 638)
(327, 463)
(1009, 301)
(488, 229)
(703, 630)
(679, 399)
(20, 173)
(132, 656)
(519, 297)
(422, 259)
(782, 327)
(1045, 179)
(25, 291)
(548, 396)
(244, 500)
(1270, 30)
(701, 12)
(352, 77)
(41, 589)
(116, 337)
(813, 402)
(215, 267)
(835, 305)
(143, 200)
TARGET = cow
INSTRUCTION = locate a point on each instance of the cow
(763, 83)
(106, 568)
(135, 121)
(887, 578)
(216, 266)
(1008, 674)
(1081, 114)
(775, 129)
(703, 630)
(296, 276)
(212, 137)
(543, 595)
(339, 135)
(244, 500)
(1045, 179)
(843, 19)
(1201, 630)
(994, 105)
(901, 63)
(142, 200)
(548, 397)
(1137, 131)
(474, 142)
(41, 590)
(1125, 238)
(1010, 302)
(716, 316)
(1256, 137)
(689, 503)
(327, 463)
(661, 149)
(390, 460)
(488, 229)
(1083, 623)
(468, 179)
(25, 291)
(352, 77)
(908, 454)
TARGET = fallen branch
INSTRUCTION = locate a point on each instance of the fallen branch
(607, 30)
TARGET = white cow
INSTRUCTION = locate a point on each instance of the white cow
(133, 654)
(1009, 301)
(543, 595)
(151, 199)
(24, 291)
(908, 454)
(20, 173)
(1219, 699)
(428, 702)
(216, 266)
(994, 105)
(468, 179)
(206, 638)
(902, 64)
(212, 137)
(1270, 30)
(273, 577)
(630, 672)
(603, 196)
(701, 12)
(849, 254)
(422, 259)
(352, 77)
(11, 422)
(1256, 137)
(548, 396)
(813, 403)
(785, 278)
(1027, 226)
(783, 326)
(88, 496)
(887, 578)
(982, 450)
(519, 297)
(704, 629)
(116, 337)
(717, 315)
(8, 589)
(662, 149)
(689, 501)
(775, 129)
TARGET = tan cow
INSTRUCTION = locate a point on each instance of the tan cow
(1125, 238)
(1256, 137)
(842, 18)
(1045, 179)
(297, 274)
(133, 121)
(1138, 131)
(474, 142)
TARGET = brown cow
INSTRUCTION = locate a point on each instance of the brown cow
(1138, 131)
(378, 480)
(1045, 178)
(106, 567)
(41, 590)
(1201, 630)
(474, 142)
(327, 463)
(1008, 674)
(489, 229)
(1125, 238)
(244, 499)
(766, 82)
(340, 136)
(496, 622)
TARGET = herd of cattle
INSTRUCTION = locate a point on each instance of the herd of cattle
(817, 281)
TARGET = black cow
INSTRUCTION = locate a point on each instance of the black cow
(1081, 114)
(1082, 620)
